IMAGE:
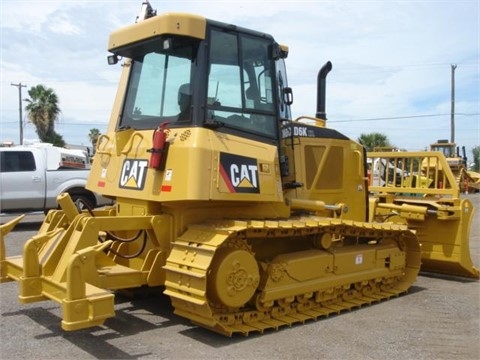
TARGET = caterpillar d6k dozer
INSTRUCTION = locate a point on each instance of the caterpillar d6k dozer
(419, 189)
(249, 220)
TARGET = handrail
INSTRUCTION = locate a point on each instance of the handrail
(99, 141)
(424, 173)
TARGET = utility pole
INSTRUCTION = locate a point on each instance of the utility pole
(452, 111)
(20, 85)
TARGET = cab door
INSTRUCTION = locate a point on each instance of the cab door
(22, 181)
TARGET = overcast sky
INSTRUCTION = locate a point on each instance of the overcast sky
(391, 61)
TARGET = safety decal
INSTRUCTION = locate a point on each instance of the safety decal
(239, 173)
(359, 259)
(168, 175)
(103, 175)
(166, 188)
(133, 174)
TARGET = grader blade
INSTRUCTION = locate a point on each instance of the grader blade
(418, 189)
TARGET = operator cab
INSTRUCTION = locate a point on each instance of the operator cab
(227, 78)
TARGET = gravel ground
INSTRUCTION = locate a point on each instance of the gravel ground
(438, 319)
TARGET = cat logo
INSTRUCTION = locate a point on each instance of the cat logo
(239, 173)
(133, 174)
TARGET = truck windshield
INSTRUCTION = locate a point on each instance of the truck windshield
(159, 84)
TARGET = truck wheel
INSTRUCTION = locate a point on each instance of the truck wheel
(82, 202)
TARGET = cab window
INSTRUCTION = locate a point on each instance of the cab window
(240, 92)
(159, 85)
(17, 161)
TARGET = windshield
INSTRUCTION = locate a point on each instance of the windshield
(159, 85)
(448, 151)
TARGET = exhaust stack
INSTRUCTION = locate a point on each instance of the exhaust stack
(321, 89)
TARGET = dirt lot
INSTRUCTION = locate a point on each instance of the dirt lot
(438, 319)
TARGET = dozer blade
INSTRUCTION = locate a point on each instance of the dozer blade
(420, 190)
(446, 242)
(443, 229)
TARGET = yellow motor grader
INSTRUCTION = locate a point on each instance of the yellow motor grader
(248, 219)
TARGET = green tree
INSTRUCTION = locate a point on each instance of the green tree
(54, 138)
(374, 140)
(476, 158)
(42, 111)
(93, 136)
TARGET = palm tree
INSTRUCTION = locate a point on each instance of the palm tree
(93, 136)
(374, 140)
(476, 158)
(42, 112)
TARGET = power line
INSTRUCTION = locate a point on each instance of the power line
(402, 117)
(330, 121)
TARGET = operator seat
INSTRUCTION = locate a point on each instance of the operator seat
(184, 102)
(257, 121)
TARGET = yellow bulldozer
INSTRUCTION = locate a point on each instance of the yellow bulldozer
(248, 220)
(468, 181)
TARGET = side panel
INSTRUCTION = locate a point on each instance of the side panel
(327, 167)
(201, 164)
(245, 170)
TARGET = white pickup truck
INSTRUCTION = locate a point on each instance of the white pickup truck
(32, 176)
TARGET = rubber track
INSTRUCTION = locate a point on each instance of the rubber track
(192, 253)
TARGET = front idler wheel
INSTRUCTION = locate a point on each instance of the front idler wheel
(233, 278)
